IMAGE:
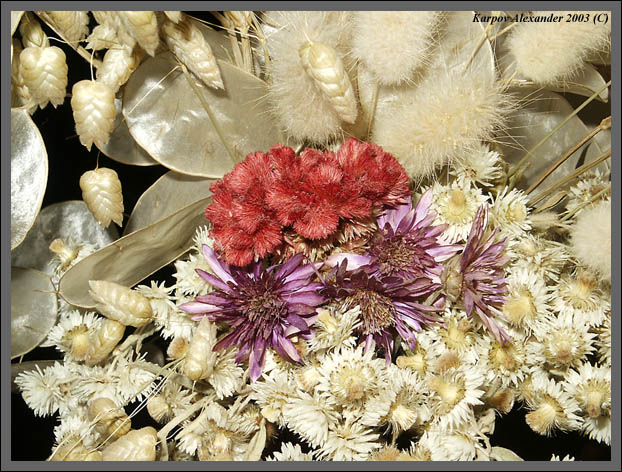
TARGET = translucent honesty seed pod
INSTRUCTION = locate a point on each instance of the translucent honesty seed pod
(93, 111)
(137, 445)
(174, 16)
(110, 419)
(117, 66)
(326, 68)
(200, 358)
(74, 450)
(101, 191)
(137, 27)
(44, 71)
(74, 25)
(189, 45)
(32, 34)
(120, 303)
(104, 341)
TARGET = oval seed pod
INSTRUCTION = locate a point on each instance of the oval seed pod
(74, 450)
(200, 358)
(174, 16)
(32, 34)
(93, 111)
(102, 37)
(158, 408)
(104, 341)
(322, 64)
(137, 27)
(189, 45)
(74, 25)
(120, 303)
(111, 420)
(137, 445)
(20, 95)
(117, 66)
(44, 71)
(177, 348)
(101, 191)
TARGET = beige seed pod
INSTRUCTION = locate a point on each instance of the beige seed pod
(158, 408)
(101, 191)
(120, 303)
(174, 16)
(200, 358)
(74, 25)
(32, 34)
(44, 71)
(322, 64)
(137, 445)
(102, 37)
(20, 95)
(189, 45)
(177, 349)
(74, 450)
(93, 111)
(136, 27)
(117, 66)
(104, 341)
(110, 419)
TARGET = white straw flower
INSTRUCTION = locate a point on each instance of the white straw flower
(479, 165)
(290, 452)
(349, 441)
(528, 299)
(551, 409)
(603, 341)
(334, 328)
(586, 188)
(538, 255)
(580, 295)
(72, 333)
(509, 212)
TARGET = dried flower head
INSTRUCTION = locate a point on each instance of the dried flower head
(591, 239)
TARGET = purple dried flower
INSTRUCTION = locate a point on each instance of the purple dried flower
(388, 304)
(264, 308)
(483, 283)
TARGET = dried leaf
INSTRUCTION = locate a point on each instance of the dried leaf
(257, 444)
(167, 119)
(70, 221)
(33, 309)
(168, 194)
(19, 367)
(132, 258)
(29, 174)
(503, 454)
(121, 146)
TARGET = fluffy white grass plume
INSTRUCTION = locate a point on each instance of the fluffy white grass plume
(445, 117)
(550, 52)
(591, 238)
(392, 44)
(301, 108)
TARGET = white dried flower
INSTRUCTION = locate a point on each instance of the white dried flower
(480, 165)
(93, 111)
(137, 445)
(227, 375)
(72, 334)
(552, 408)
(171, 401)
(527, 301)
(132, 381)
(567, 457)
(44, 71)
(457, 337)
(420, 360)
(410, 406)
(334, 328)
(456, 205)
(76, 426)
(349, 441)
(509, 212)
(188, 44)
(120, 303)
(290, 452)
(311, 417)
(444, 445)
(590, 238)
(586, 188)
(39, 390)
(188, 280)
(580, 296)
(393, 44)
(74, 25)
(172, 322)
(505, 362)
(538, 255)
(603, 341)
(272, 392)
(118, 64)
(68, 253)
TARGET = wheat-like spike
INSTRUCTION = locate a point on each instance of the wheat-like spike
(44, 71)
(120, 303)
(189, 45)
(102, 37)
(32, 33)
(200, 358)
(137, 445)
(117, 66)
(104, 341)
(174, 16)
(20, 95)
(110, 420)
(74, 25)
(102, 193)
(323, 64)
(94, 112)
(136, 27)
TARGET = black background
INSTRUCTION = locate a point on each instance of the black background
(32, 437)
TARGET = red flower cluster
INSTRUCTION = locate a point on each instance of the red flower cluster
(310, 193)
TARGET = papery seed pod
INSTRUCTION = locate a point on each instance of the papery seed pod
(174, 16)
(136, 27)
(102, 37)
(102, 193)
(94, 112)
(110, 419)
(20, 95)
(74, 25)
(120, 303)
(44, 71)
(137, 445)
(200, 358)
(74, 450)
(32, 34)
(189, 45)
(321, 62)
(104, 341)
(117, 66)
(177, 348)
